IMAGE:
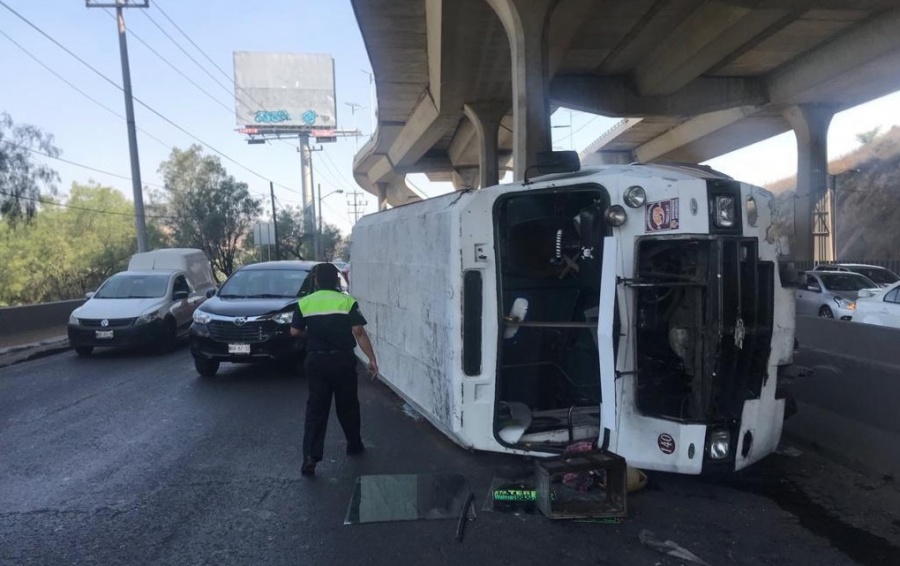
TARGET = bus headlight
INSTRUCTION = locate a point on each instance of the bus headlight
(635, 196)
(719, 445)
(616, 215)
(725, 211)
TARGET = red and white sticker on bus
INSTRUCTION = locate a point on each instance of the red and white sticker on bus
(666, 443)
(662, 216)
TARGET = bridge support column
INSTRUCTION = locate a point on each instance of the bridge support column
(464, 178)
(382, 189)
(811, 226)
(526, 23)
(486, 118)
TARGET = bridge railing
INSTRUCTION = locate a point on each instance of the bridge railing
(28, 319)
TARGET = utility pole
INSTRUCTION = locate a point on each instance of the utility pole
(274, 220)
(309, 191)
(353, 108)
(357, 205)
(372, 101)
(321, 198)
(136, 187)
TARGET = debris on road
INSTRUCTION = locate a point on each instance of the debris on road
(669, 548)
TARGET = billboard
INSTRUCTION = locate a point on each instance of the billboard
(284, 91)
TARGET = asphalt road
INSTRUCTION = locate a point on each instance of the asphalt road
(130, 459)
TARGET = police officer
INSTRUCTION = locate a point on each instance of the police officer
(333, 325)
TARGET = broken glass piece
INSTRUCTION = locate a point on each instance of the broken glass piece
(407, 497)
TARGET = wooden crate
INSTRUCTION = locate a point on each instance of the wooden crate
(607, 499)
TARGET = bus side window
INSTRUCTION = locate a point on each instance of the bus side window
(472, 307)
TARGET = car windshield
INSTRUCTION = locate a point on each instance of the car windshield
(264, 283)
(878, 274)
(843, 281)
(130, 286)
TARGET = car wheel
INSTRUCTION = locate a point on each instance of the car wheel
(84, 351)
(170, 336)
(206, 368)
(825, 312)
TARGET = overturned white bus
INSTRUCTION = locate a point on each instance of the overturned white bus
(637, 306)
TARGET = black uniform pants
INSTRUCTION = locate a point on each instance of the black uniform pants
(330, 375)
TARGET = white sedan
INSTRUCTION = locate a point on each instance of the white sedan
(879, 306)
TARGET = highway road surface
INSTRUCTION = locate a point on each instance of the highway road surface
(127, 458)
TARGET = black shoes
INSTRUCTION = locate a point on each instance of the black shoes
(309, 463)
(309, 466)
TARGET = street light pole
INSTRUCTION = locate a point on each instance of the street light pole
(321, 198)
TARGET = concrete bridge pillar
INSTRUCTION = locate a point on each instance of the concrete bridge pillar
(486, 118)
(811, 218)
(527, 27)
(382, 189)
(464, 178)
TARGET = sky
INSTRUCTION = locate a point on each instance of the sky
(91, 135)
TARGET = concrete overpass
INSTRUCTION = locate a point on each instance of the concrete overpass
(466, 87)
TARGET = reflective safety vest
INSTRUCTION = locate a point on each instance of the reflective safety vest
(325, 302)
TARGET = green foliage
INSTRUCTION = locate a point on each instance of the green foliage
(64, 252)
(21, 177)
(296, 237)
(206, 208)
(868, 137)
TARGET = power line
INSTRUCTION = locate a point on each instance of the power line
(138, 100)
(183, 50)
(76, 164)
(76, 207)
(78, 90)
(337, 169)
(208, 58)
(174, 68)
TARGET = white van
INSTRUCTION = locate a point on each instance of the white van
(151, 303)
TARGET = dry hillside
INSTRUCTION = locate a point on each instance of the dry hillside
(867, 191)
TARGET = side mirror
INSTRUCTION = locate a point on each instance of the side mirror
(89, 294)
(558, 162)
(211, 293)
(555, 162)
(866, 293)
(814, 288)
(180, 295)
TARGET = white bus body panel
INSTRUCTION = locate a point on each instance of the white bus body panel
(408, 265)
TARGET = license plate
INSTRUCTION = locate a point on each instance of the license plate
(239, 348)
(105, 334)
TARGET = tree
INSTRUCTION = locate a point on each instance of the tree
(21, 177)
(68, 250)
(294, 239)
(865, 138)
(206, 207)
